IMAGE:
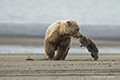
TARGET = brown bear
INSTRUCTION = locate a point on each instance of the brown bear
(91, 46)
(58, 37)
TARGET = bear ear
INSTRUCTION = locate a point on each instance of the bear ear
(69, 23)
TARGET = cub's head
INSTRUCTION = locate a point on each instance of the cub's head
(73, 29)
(84, 41)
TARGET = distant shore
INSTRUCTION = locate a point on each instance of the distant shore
(74, 67)
(38, 29)
(38, 41)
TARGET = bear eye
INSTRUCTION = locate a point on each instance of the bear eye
(77, 29)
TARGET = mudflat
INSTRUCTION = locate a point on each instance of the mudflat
(74, 67)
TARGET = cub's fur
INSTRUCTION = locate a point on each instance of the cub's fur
(90, 45)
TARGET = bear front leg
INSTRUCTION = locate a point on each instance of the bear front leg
(62, 49)
(65, 54)
(49, 49)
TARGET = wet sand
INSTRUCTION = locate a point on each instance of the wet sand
(75, 67)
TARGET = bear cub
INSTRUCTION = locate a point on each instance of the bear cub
(90, 45)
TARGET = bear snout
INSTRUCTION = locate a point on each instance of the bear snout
(80, 36)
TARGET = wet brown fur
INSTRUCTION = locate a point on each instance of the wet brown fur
(90, 45)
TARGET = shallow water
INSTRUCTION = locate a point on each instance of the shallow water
(40, 49)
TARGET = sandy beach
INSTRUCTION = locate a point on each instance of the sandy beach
(75, 67)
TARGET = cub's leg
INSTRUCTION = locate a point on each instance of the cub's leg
(94, 55)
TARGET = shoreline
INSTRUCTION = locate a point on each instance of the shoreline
(74, 67)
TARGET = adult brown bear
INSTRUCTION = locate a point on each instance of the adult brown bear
(58, 37)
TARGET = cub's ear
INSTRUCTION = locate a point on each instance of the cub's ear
(69, 23)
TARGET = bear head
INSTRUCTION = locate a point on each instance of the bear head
(73, 29)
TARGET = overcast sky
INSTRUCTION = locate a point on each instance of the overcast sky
(49, 11)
